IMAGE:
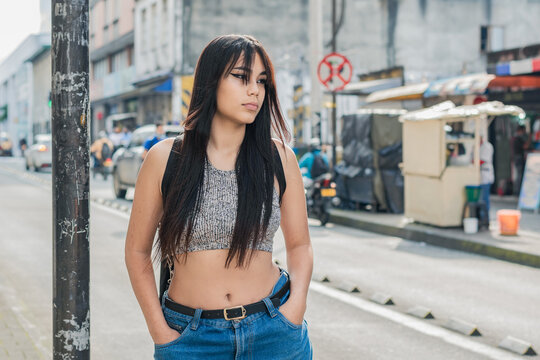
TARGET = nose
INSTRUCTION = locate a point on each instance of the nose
(253, 87)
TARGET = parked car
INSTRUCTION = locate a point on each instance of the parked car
(127, 161)
(39, 155)
(6, 145)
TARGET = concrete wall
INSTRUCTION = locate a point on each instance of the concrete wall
(431, 39)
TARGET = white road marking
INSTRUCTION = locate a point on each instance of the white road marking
(413, 323)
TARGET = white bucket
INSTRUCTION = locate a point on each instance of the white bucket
(470, 225)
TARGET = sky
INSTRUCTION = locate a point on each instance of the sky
(18, 19)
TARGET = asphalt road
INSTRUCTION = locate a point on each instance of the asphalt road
(496, 296)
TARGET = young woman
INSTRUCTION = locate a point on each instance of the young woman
(218, 195)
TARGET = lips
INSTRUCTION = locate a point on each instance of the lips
(251, 106)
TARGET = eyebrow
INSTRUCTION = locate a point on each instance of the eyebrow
(248, 70)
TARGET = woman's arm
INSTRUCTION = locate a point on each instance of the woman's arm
(295, 230)
(145, 215)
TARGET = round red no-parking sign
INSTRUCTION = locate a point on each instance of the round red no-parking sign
(334, 71)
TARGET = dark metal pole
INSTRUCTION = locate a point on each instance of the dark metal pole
(70, 166)
(334, 114)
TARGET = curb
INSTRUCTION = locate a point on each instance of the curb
(440, 240)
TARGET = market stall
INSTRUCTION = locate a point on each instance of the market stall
(441, 148)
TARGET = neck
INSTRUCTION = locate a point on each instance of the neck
(225, 136)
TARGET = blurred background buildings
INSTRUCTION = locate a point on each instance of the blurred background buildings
(390, 43)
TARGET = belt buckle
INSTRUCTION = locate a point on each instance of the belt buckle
(234, 318)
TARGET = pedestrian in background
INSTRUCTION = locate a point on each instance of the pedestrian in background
(158, 136)
(314, 162)
(486, 170)
(116, 137)
(126, 136)
(520, 144)
(214, 194)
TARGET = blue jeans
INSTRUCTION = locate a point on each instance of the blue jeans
(263, 335)
(485, 195)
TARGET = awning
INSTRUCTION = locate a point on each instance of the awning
(447, 110)
(370, 86)
(461, 85)
(164, 87)
(154, 78)
(517, 67)
(503, 83)
(407, 92)
(120, 117)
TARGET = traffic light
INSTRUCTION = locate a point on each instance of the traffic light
(3, 113)
(50, 100)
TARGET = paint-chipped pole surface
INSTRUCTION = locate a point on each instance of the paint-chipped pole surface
(70, 166)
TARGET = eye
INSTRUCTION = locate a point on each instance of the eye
(262, 81)
(239, 76)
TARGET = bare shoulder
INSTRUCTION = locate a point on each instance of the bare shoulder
(159, 153)
(288, 160)
(155, 162)
(285, 152)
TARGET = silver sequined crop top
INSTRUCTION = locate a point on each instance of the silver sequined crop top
(214, 225)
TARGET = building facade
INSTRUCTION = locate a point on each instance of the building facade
(154, 58)
(432, 39)
(112, 70)
(280, 25)
(17, 88)
(41, 91)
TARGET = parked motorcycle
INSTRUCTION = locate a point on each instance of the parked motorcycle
(320, 195)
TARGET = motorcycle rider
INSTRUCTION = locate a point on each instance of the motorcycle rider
(313, 163)
(101, 149)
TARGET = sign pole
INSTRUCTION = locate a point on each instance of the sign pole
(334, 105)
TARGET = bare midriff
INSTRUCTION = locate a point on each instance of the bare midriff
(203, 281)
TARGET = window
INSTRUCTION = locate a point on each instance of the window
(115, 29)
(144, 29)
(153, 37)
(118, 61)
(164, 23)
(491, 38)
(129, 56)
(116, 10)
(106, 12)
(100, 69)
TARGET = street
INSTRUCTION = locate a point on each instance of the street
(496, 296)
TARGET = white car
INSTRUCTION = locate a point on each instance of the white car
(127, 160)
(39, 155)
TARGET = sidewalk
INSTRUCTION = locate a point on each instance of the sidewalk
(15, 341)
(521, 249)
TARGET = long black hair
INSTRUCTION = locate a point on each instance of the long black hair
(256, 163)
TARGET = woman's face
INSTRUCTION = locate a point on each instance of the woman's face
(240, 101)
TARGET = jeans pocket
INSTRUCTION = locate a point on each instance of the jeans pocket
(181, 326)
(287, 322)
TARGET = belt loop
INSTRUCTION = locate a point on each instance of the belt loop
(195, 320)
(165, 295)
(270, 307)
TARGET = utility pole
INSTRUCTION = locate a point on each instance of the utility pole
(334, 114)
(178, 44)
(315, 55)
(70, 173)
